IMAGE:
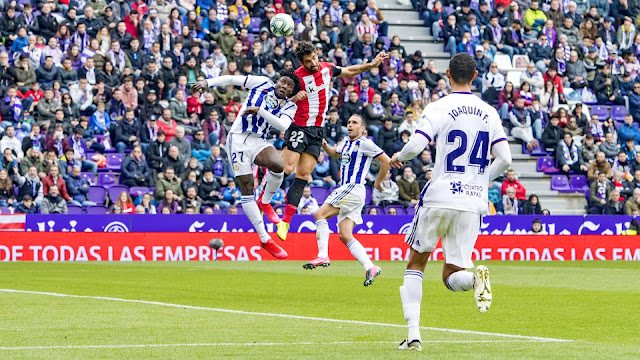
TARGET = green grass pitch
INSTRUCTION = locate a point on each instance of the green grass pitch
(596, 305)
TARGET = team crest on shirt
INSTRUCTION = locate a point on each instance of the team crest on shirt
(456, 187)
(236, 167)
(346, 158)
(273, 102)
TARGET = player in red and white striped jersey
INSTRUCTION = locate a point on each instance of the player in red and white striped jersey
(303, 139)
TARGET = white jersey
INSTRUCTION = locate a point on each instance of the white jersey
(466, 128)
(262, 94)
(356, 156)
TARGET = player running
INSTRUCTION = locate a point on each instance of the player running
(452, 203)
(267, 106)
(356, 153)
(303, 140)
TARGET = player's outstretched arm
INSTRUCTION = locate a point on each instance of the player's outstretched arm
(331, 151)
(354, 70)
(281, 122)
(502, 161)
(224, 80)
(384, 169)
(415, 146)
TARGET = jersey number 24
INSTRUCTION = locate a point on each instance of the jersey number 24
(477, 156)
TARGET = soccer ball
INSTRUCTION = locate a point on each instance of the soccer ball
(281, 25)
(216, 244)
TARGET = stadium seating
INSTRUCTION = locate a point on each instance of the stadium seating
(618, 112)
(560, 183)
(96, 210)
(75, 210)
(399, 209)
(114, 192)
(97, 194)
(107, 179)
(320, 193)
(579, 183)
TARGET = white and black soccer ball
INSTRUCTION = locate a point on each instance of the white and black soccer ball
(281, 25)
(216, 244)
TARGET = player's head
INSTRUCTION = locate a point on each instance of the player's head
(306, 54)
(356, 126)
(462, 69)
(288, 84)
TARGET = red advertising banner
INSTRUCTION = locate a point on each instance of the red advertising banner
(56, 246)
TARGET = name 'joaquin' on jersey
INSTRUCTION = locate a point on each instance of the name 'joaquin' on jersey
(466, 128)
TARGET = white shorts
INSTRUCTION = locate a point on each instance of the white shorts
(242, 151)
(458, 230)
(349, 198)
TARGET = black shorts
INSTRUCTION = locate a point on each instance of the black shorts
(307, 139)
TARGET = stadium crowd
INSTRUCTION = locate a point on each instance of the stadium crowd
(81, 79)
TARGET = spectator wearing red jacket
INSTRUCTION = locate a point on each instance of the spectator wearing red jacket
(552, 75)
(511, 181)
(54, 178)
(365, 92)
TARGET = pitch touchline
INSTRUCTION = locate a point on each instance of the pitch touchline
(157, 303)
(247, 344)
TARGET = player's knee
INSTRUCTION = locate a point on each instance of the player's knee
(277, 166)
(345, 237)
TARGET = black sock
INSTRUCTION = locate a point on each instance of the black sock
(295, 191)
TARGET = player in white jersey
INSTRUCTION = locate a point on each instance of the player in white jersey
(453, 201)
(347, 201)
(267, 106)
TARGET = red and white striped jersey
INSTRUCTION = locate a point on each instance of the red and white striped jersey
(311, 111)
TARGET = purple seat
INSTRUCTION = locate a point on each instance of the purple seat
(601, 110)
(618, 112)
(399, 209)
(255, 25)
(89, 177)
(4, 210)
(411, 210)
(96, 210)
(367, 199)
(378, 208)
(579, 183)
(138, 191)
(114, 161)
(107, 179)
(387, 42)
(560, 183)
(189, 138)
(545, 164)
(97, 194)
(115, 191)
(319, 193)
(74, 210)
(536, 151)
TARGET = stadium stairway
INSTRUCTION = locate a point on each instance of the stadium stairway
(540, 184)
(405, 22)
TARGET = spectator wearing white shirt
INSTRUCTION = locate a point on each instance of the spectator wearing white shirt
(9, 141)
(492, 83)
(308, 201)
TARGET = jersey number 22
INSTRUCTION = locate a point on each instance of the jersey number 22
(477, 156)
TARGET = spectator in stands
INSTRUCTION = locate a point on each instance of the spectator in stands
(191, 199)
(634, 102)
(169, 182)
(422, 163)
(589, 149)
(521, 122)
(409, 191)
(511, 182)
(53, 202)
(573, 129)
(30, 184)
(533, 77)
(146, 207)
(576, 71)
(409, 124)
(125, 203)
(308, 201)
(600, 194)
(635, 162)
(209, 190)
(492, 84)
(9, 162)
(623, 165)
(629, 129)
(615, 206)
(78, 188)
(82, 95)
(213, 130)
(536, 228)
(633, 205)
(218, 164)
(506, 99)
(510, 203)
(496, 37)
(534, 16)
(9, 141)
(606, 87)
(609, 147)
(389, 195)
(232, 193)
(514, 37)
(532, 206)
(135, 171)
(127, 134)
(183, 145)
(569, 156)
(322, 173)
(170, 202)
(7, 194)
(550, 99)
(27, 206)
(451, 33)
(54, 179)
(199, 147)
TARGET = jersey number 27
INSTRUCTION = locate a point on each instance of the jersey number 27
(477, 156)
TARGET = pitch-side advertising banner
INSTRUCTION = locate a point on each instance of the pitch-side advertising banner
(59, 246)
(380, 224)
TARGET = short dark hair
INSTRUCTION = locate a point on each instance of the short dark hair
(304, 48)
(462, 68)
(296, 80)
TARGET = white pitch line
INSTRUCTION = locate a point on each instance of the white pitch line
(124, 346)
(287, 316)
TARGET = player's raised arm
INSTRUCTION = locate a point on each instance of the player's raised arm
(354, 70)
(224, 80)
(330, 150)
(418, 142)
(503, 159)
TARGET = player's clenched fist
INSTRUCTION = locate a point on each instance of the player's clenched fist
(301, 95)
(199, 86)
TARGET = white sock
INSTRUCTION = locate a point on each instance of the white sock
(358, 252)
(411, 296)
(274, 180)
(252, 211)
(322, 235)
(460, 281)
